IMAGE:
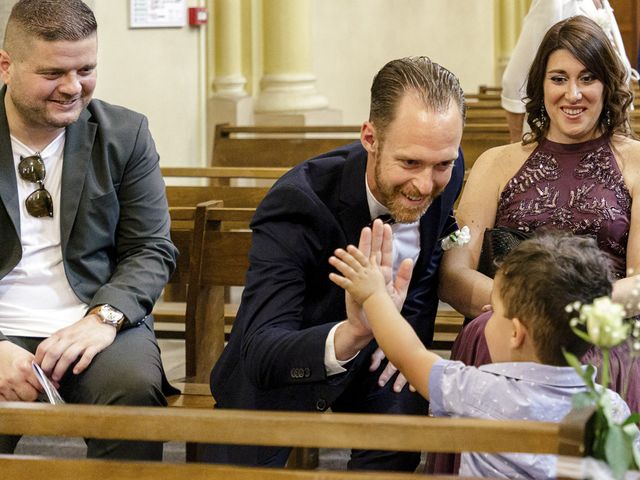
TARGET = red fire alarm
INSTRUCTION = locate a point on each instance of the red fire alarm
(198, 16)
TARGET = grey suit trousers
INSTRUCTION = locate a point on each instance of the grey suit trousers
(128, 372)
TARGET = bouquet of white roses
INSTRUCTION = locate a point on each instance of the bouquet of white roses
(603, 324)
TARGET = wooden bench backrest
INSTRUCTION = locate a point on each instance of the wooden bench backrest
(226, 173)
(486, 115)
(30, 468)
(171, 310)
(232, 196)
(276, 146)
(284, 147)
(495, 89)
(182, 228)
(478, 138)
(219, 259)
(298, 429)
(289, 429)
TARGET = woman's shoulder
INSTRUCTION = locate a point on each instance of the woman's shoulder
(504, 157)
(627, 153)
(626, 148)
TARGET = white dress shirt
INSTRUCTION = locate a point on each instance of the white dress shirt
(406, 244)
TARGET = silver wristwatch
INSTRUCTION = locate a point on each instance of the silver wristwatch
(109, 315)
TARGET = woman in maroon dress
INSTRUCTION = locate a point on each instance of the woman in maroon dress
(578, 170)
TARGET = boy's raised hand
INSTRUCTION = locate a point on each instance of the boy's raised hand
(361, 275)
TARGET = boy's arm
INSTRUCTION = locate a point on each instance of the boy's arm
(399, 342)
(365, 283)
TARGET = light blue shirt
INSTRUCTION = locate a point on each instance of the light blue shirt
(515, 390)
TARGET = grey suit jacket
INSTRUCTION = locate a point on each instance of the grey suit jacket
(114, 219)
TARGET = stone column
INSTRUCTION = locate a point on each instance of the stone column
(509, 18)
(288, 91)
(229, 101)
(229, 81)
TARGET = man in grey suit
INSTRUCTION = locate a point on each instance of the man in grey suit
(84, 226)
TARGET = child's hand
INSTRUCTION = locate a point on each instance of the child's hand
(362, 277)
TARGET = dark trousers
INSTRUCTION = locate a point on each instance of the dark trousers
(363, 395)
(128, 372)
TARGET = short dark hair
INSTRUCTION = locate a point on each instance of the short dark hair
(587, 42)
(433, 83)
(544, 274)
(49, 20)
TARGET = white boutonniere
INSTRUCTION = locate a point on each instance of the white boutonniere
(457, 238)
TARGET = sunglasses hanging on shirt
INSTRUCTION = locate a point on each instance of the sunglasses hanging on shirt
(31, 169)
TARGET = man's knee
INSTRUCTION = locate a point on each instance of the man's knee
(120, 385)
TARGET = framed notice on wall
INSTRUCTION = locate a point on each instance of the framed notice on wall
(157, 13)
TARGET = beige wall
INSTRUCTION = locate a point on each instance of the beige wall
(161, 72)
(5, 8)
(158, 72)
(352, 39)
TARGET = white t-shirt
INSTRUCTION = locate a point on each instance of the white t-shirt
(36, 299)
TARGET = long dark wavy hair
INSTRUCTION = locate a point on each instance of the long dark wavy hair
(588, 43)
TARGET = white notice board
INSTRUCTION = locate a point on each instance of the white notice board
(157, 13)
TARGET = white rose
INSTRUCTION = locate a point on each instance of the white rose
(605, 322)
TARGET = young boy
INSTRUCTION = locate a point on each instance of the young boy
(530, 379)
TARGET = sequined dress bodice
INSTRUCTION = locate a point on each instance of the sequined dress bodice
(574, 187)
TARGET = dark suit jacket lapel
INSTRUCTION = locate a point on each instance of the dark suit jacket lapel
(8, 184)
(77, 153)
(354, 210)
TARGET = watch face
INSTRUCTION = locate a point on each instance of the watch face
(110, 315)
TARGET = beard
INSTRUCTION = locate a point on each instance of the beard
(38, 114)
(391, 196)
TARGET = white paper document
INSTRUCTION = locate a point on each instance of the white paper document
(50, 391)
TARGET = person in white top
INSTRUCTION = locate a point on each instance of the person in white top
(84, 226)
(541, 16)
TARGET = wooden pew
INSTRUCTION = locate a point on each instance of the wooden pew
(287, 429)
(284, 147)
(212, 257)
(495, 89)
(170, 311)
(484, 102)
(169, 316)
(226, 173)
(232, 196)
(219, 259)
(486, 115)
(279, 146)
(478, 138)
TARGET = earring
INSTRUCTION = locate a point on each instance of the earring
(608, 118)
(543, 115)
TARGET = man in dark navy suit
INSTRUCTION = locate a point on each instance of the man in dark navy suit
(291, 348)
